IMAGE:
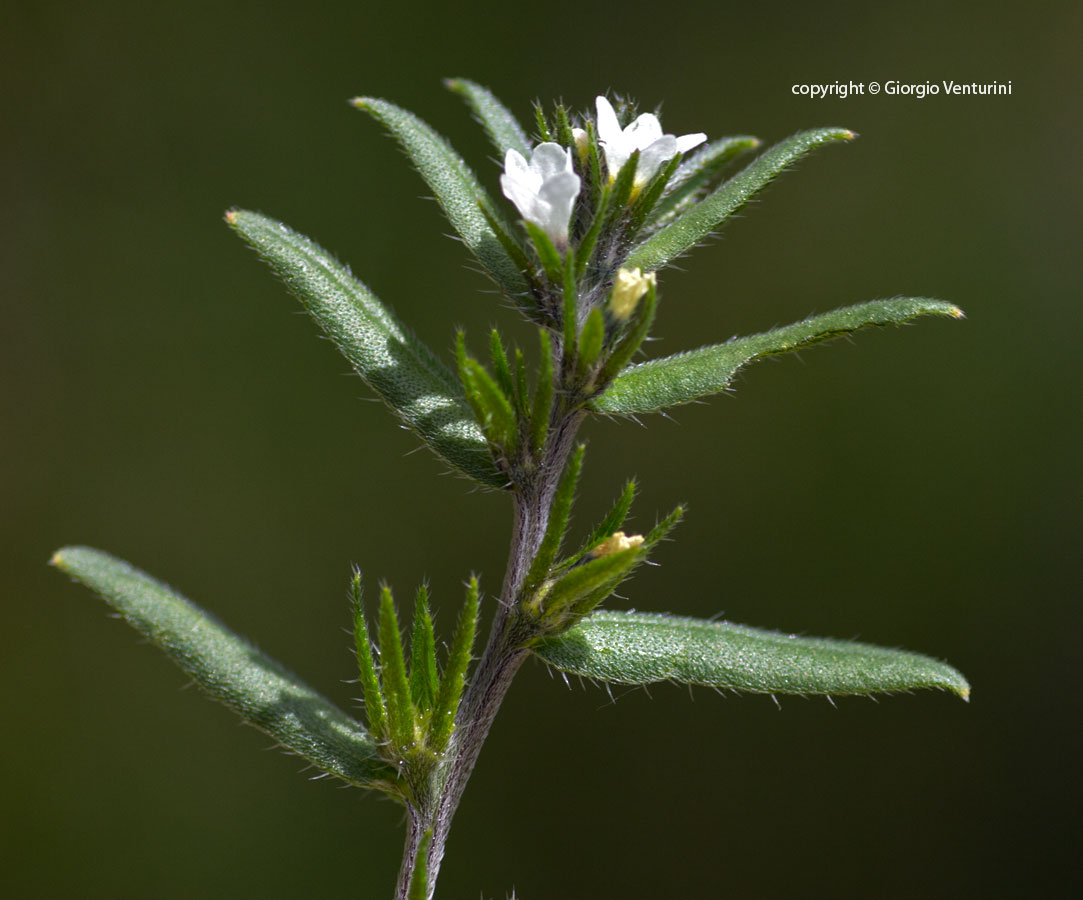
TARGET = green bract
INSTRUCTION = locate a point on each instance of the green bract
(606, 201)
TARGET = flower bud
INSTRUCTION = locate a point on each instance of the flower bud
(615, 543)
(628, 289)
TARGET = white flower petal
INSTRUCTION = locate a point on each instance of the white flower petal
(687, 141)
(651, 158)
(524, 197)
(550, 159)
(543, 190)
(559, 194)
(645, 135)
(611, 137)
(608, 127)
(643, 132)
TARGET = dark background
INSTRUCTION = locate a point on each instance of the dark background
(162, 398)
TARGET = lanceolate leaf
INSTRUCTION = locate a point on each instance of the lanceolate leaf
(401, 715)
(654, 385)
(455, 186)
(402, 370)
(453, 681)
(702, 218)
(503, 129)
(641, 648)
(232, 670)
(424, 679)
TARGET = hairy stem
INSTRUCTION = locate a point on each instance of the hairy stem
(504, 653)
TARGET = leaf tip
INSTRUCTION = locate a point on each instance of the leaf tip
(364, 103)
(57, 559)
(231, 216)
(964, 694)
(956, 313)
(848, 135)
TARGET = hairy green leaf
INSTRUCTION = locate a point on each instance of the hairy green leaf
(558, 523)
(450, 693)
(703, 217)
(232, 670)
(543, 394)
(640, 648)
(401, 715)
(654, 385)
(373, 697)
(501, 368)
(503, 128)
(402, 370)
(491, 406)
(590, 342)
(456, 187)
(633, 340)
(547, 253)
(587, 584)
(424, 681)
(613, 520)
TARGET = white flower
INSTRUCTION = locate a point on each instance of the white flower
(544, 190)
(644, 135)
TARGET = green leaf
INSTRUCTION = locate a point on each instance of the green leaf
(543, 394)
(697, 172)
(503, 128)
(621, 184)
(649, 196)
(232, 670)
(586, 585)
(590, 342)
(699, 221)
(424, 680)
(594, 169)
(633, 340)
(613, 520)
(442, 722)
(456, 187)
(565, 136)
(402, 717)
(402, 370)
(585, 251)
(543, 125)
(558, 523)
(641, 648)
(501, 369)
(663, 528)
(373, 697)
(547, 253)
(496, 415)
(522, 391)
(654, 385)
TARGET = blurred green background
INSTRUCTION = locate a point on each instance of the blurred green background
(164, 399)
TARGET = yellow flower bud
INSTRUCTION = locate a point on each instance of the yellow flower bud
(615, 543)
(630, 286)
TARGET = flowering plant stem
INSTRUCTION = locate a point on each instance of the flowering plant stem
(505, 651)
(605, 202)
